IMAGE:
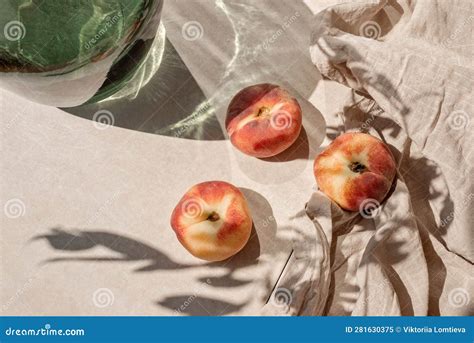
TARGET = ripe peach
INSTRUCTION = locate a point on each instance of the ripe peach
(263, 120)
(354, 169)
(212, 220)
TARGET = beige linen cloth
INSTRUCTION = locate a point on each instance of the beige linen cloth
(410, 66)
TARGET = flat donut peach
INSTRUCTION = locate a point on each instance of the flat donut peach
(263, 120)
(212, 220)
(355, 168)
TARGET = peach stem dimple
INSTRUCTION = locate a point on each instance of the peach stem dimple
(262, 110)
(213, 217)
(357, 167)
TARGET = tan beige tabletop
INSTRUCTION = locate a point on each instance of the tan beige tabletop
(85, 227)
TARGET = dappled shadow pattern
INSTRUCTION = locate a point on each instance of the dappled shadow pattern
(129, 249)
(417, 172)
(171, 104)
(193, 305)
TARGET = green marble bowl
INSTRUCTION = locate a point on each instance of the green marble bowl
(68, 52)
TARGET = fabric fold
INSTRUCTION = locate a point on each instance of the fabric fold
(409, 64)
